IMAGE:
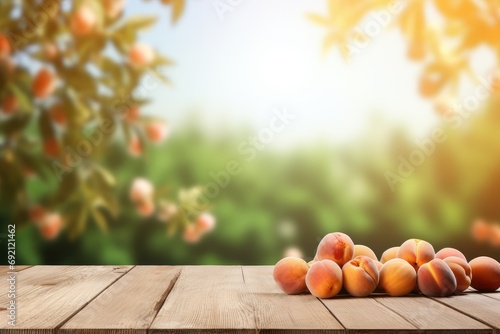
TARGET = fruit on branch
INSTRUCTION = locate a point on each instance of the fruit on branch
(146, 208)
(9, 105)
(5, 48)
(51, 225)
(132, 114)
(191, 234)
(156, 131)
(205, 222)
(113, 8)
(44, 83)
(51, 147)
(83, 21)
(141, 55)
(141, 190)
(57, 114)
(135, 146)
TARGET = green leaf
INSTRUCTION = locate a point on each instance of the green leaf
(99, 219)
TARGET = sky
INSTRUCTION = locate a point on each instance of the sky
(265, 55)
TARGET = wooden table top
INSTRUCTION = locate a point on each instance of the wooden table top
(218, 299)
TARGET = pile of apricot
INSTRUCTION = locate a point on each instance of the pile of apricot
(413, 267)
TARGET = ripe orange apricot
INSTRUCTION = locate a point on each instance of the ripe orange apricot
(205, 222)
(51, 147)
(360, 276)
(290, 275)
(389, 254)
(416, 252)
(9, 105)
(324, 279)
(364, 250)
(448, 251)
(50, 225)
(113, 8)
(435, 278)
(44, 83)
(141, 55)
(5, 48)
(57, 114)
(485, 274)
(397, 277)
(462, 271)
(83, 21)
(156, 132)
(337, 247)
(191, 234)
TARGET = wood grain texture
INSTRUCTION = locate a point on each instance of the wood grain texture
(206, 299)
(495, 295)
(5, 269)
(128, 306)
(277, 312)
(430, 315)
(365, 315)
(47, 296)
(476, 305)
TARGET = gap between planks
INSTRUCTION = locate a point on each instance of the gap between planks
(56, 329)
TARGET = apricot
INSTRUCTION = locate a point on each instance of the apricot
(337, 247)
(435, 278)
(416, 252)
(141, 190)
(5, 48)
(360, 276)
(44, 83)
(146, 208)
(324, 279)
(51, 225)
(156, 132)
(290, 275)
(9, 105)
(205, 222)
(132, 114)
(50, 51)
(364, 250)
(480, 230)
(495, 235)
(58, 114)
(485, 274)
(135, 146)
(448, 251)
(83, 21)
(397, 277)
(389, 254)
(113, 8)
(461, 270)
(141, 55)
(191, 234)
(51, 147)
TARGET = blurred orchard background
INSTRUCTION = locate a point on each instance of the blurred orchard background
(236, 132)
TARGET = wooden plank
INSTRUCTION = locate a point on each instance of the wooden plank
(5, 269)
(47, 296)
(277, 312)
(128, 306)
(206, 298)
(495, 295)
(428, 314)
(476, 305)
(365, 315)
